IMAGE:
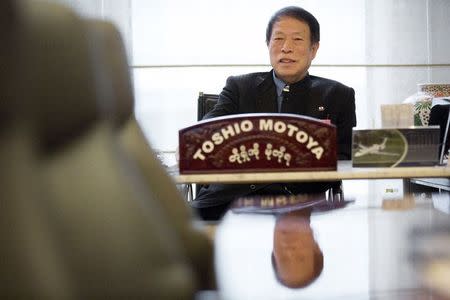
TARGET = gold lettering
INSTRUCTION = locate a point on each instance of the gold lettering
(217, 138)
(292, 129)
(198, 155)
(318, 151)
(279, 127)
(236, 128)
(207, 146)
(227, 132)
(266, 125)
(311, 143)
(301, 137)
(246, 126)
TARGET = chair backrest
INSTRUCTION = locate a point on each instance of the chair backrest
(132, 139)
(112, 237)
(205, 104)
(11, 69)
(112, 70)
(30, 266)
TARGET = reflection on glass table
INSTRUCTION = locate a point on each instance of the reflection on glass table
(367, 246)
(297, 259)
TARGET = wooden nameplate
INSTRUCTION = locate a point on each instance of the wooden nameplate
(257, 142)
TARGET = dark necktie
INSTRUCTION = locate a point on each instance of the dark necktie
(285, 99)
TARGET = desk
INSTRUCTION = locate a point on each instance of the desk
(373, 248)
(344, 171)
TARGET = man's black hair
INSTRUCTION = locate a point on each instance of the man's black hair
(299, 14)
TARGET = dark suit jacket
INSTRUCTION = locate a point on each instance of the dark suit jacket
(256, 93)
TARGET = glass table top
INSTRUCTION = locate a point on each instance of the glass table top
(375, 242)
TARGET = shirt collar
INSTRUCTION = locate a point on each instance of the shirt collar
(280, 84)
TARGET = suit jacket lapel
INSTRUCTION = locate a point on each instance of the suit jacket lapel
(318, 108)
(305, 101)
(266, 94)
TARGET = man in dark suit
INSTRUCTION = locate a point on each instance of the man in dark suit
(292, 37)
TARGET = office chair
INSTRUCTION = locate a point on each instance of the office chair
(28, 268)
(111, 237)
(205, 103)
(113, 64)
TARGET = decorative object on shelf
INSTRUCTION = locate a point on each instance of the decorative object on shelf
(422, 107)
(435, 90)
(423, 100)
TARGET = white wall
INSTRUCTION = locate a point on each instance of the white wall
(178, 48)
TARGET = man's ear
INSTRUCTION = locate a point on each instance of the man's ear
(314, 48)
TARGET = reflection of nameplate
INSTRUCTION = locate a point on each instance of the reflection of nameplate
(415, 146)
(266, 204)
(258, 142)
(274, 204)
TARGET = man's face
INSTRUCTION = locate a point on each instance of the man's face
(290, 49)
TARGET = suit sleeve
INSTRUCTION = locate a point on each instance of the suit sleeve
(228, 102)
(345, 123)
